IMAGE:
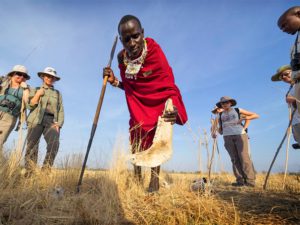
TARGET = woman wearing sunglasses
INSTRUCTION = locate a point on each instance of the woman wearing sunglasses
(13, 95)
(236, 140)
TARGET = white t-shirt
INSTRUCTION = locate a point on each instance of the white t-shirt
(230, 124)
(296, 117)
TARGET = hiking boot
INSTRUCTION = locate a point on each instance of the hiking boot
(296, 146)
(237, 184)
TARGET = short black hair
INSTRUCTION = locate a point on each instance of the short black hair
(292, 9)
(127, 18)
(289, 11)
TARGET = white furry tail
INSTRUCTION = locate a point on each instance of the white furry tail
(161, 150)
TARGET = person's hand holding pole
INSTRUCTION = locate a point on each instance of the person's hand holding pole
(109, 74)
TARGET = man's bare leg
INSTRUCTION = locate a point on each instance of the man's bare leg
(138, 173)
(154, 180)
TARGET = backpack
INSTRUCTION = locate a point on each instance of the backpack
(239, 115)
(4, 81)
(11, 102)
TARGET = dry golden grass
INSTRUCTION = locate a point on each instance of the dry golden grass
(113, 197)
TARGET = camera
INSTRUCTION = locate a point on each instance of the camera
(295, 62)
(8, 104)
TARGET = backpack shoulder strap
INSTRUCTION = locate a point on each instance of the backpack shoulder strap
(296, 44)
(238, 112)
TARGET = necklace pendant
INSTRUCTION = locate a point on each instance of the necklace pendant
(132, 70)
(133, 66)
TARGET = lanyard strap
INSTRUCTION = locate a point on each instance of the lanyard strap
(296, 44)
(291, 86)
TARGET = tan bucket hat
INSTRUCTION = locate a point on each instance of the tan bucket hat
(277, 75)
(226, 99)
(19, 69)
(50, 72)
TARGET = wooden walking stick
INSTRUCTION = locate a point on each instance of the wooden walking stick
(94, 127)
(212, 158)
(214, 127)
(278, 149)
(206, 147)
(22, 120)
(287, 133)
(287, 148)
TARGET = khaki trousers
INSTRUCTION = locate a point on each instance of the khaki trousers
(237, 147)
(7, 124)
(33, 139)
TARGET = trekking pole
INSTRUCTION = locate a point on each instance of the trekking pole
(207, 150)
(214, 123)
(94, 127)
(19, 149)
(212, 158)
(278, 149)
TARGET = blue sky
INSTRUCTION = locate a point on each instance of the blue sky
(215, 48)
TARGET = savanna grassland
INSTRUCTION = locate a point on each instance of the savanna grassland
(113, 197)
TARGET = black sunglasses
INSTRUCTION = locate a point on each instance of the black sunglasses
(225, 102)
(20, 74)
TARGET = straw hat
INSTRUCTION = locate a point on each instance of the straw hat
(277, 75)
(19, 69)
(49, 71)
(226, 99)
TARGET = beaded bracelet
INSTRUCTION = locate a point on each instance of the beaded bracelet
(116, 82)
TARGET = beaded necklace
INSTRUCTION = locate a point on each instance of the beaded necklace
(134, 66)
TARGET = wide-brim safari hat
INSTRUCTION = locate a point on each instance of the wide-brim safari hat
(49, 71)
(19, 69)
(277, 75)
(226, 99)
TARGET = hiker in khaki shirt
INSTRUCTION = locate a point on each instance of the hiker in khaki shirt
(46, 117)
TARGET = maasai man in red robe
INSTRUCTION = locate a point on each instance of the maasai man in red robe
(148, 82)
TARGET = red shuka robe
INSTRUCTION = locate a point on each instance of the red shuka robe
(146, 95)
